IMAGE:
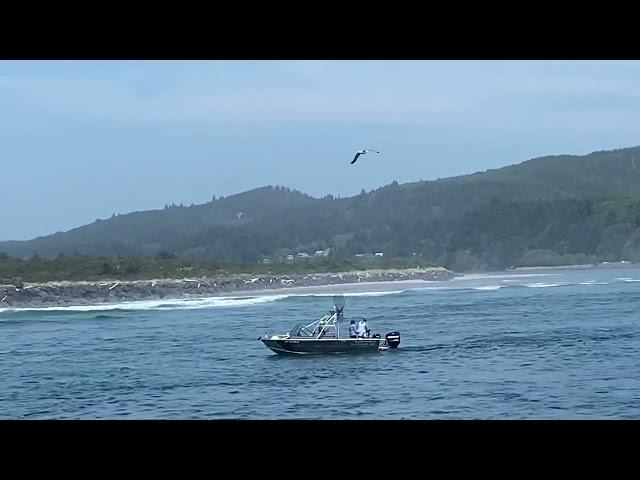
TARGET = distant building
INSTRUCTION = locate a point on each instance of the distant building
(364, 255)
(289, 257)
(379, 254)
(266, 260)
(302, 255)
(319, 253)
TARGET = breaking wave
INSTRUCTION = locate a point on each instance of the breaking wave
(167, 304)
(544, 285)
(186, 303)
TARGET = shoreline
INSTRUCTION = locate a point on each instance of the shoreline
(84, 293)
(106, 292)
(580, 266)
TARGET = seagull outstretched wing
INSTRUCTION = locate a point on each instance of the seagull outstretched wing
(355, 158)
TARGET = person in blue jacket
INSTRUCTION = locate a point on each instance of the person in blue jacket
(352, 330)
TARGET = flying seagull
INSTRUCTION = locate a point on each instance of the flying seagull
(361, 152)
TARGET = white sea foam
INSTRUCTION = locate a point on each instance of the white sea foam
(165, 304)
(543, 285)
(489, 287)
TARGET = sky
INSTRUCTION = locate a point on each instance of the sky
(81, 140)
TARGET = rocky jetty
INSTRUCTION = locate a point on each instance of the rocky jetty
(93, 293)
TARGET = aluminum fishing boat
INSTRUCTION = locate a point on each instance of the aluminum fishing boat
(323, 336)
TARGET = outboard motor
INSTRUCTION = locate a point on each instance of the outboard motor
(393, 339)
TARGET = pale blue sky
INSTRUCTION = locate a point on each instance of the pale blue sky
(81, 140)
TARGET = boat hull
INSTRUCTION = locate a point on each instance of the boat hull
(302, 346)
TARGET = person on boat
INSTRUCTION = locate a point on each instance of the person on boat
(321, 326)
(352, 330)
(363, 328)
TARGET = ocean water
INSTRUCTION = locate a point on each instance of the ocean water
(515, 345)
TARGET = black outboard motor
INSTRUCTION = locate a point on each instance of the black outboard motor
(393, 339)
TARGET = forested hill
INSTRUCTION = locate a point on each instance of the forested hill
(550, 210)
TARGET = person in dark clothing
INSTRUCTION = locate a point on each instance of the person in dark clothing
(352, 330)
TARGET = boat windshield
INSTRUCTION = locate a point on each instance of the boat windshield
(300, 331)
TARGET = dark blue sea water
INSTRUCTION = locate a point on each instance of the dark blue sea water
(559, 344)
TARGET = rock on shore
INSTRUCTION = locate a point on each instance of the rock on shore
(92, 293)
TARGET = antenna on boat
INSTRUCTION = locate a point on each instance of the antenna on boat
(338, 304)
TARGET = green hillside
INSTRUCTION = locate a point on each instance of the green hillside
(551, 209)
